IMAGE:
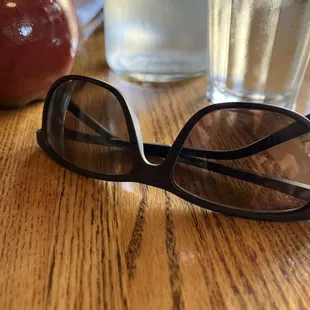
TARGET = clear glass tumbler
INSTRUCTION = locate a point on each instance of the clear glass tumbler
(158, 40)
(258, 50)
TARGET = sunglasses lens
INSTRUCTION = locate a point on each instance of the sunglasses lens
(236, 181)
(86, 127)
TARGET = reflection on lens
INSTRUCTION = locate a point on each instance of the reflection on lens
(86, 126)
(232, 129)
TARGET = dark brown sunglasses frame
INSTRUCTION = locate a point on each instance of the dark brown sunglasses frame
(161, 175)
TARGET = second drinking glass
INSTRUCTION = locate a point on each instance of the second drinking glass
(258, 50)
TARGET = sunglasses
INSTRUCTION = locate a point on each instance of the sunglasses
(240, 159)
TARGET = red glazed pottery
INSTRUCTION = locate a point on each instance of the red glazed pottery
(38, 43)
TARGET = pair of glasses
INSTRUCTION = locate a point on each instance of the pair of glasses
(240, 159)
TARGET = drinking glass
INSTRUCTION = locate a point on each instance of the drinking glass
(156, 41)
(258, 50)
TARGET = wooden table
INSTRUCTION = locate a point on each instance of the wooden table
(68, 242)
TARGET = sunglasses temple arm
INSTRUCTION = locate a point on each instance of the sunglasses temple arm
(290, 132)
(288, 187)
(89, 121)
(97, 140)
(285, 186)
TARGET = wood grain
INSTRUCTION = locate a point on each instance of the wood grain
(68, 242)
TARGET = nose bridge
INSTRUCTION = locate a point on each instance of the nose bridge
(155, 175)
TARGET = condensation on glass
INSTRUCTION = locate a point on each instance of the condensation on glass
(156, 41)
(258, 50)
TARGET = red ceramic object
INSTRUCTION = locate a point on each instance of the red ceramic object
(38, 42)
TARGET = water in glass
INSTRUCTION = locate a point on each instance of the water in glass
(156, 41)
(258, 50)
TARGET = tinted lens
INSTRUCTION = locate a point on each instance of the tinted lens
(86, 126)
(258, 179)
